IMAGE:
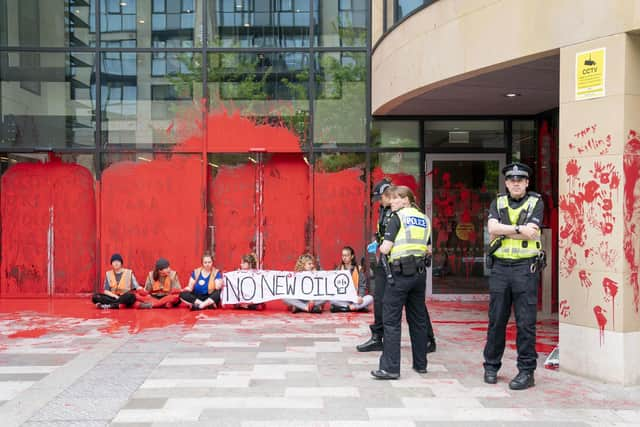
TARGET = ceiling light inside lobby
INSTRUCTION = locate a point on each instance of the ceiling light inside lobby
(511, 94)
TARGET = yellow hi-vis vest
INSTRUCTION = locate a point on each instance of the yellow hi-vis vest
(515, 249)
(121, 287)
(413, 236)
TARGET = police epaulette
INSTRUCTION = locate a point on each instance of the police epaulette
(501, 194)
(533, 194)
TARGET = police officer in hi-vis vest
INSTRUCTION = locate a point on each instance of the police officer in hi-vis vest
(514, 229)
(406, 241)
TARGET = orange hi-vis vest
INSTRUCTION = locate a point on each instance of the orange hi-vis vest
(120, 287)
(211, 286)
(355, 275)
(161, 288)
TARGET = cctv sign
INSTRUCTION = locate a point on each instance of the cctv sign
(590, 73)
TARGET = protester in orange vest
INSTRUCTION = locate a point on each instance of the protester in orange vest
(305, 263)
(119, 287)
(348, 262)
(249, 262)
(162, 288)
(203, 289)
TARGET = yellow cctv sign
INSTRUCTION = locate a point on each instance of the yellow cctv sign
(590, 68)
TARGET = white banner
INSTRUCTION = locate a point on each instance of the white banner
(255, 286)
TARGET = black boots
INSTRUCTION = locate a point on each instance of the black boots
(490, 377)
(522, 381)
(374, 344)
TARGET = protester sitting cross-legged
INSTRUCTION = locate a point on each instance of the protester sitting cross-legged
(119, 286)
(162, 288)
(250, 262)
(348, 262)
(305, 262)
(203, 289)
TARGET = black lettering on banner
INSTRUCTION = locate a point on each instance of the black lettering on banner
(234, 289)
(264, 283)
(302, 283)
(253, 282)
(341, 282)
(326, 288)
(318, 283)
(291, 288)
(279, 287)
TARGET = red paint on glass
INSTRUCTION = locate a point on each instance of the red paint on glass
(152, 210)
(48, 229)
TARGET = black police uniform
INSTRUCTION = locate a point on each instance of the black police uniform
(513, 282)
(408, 291)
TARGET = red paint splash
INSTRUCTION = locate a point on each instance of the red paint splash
(585, 279)
(48, 221)
(610, 291)
(565, 309)
(152, 210)
(632, 213)
(602, 321)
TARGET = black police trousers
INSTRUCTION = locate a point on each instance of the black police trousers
(512, 284)
(377, 327)
(407, 292)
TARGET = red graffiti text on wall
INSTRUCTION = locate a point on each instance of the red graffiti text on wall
(565, 309)
(610, 288)
(602, 321)
(588, 141)
(632, 213)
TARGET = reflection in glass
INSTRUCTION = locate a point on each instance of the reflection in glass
(340, 105)
(395, 133)
(340, 22)
(259, 23)
(151, 23)
(458, 135)
(149, 99)
(47, 99)
(269, 87)
(47, 23)
(405, 7)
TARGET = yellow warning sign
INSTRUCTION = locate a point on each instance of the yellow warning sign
(590, 68)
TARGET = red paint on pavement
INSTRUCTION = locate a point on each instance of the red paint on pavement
(152, 210)
(48, 229)
(545, 343)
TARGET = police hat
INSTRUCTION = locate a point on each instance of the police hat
(379, 188)
(517, 169)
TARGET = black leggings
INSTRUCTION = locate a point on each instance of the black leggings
(190, 297)
(127, 299)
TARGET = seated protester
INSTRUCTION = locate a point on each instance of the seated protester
(162, 288)
(119, 287)
(348, 262)
(305, 263)
(205, 283)
(250, 262)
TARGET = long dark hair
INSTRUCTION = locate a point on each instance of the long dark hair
(354, 262)
(250, 259)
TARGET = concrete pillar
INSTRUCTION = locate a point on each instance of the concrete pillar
(599, 188)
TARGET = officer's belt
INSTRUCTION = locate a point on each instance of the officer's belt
(511, 262)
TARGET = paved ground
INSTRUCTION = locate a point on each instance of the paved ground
(64, 363)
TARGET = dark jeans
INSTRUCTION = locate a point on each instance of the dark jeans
(407, 292)
(512, 284)
(190, 297)
(127, 299)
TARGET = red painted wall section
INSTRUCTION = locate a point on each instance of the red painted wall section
(44, 204)
(287, 211)
(339, 212)
(151, 210)
(232, 194)
(233, 133)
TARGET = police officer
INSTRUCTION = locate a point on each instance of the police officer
(380, 192)
(406, 241)
(514, 220)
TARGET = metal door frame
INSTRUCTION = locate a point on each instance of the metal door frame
(428, 196)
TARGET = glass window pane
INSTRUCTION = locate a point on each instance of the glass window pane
(340, 23)
(340, 105)
(138, 114)
(47, 99)
(266, 87)
(395, 133)
(258, 23)
(47, 23)
(405, 7)
(144, 24)
(461, 135)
